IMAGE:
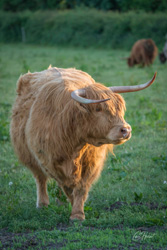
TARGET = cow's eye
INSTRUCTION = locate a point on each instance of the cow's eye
(98, 109)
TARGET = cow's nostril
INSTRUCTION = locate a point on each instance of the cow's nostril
(124, 130)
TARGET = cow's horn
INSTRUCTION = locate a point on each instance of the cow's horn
(76, 95)
(125, 89)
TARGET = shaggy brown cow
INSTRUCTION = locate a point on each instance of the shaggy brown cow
(143, 52)
(58, 133)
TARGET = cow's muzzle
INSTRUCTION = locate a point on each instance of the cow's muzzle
(125, 131)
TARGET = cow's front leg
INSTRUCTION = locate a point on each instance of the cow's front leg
(80, 194)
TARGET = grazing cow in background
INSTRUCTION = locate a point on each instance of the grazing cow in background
(163, 54)
(143, 52)
(162, 57)
(63, 124)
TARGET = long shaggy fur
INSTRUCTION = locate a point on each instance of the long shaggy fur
(143, 52)
(54, 136)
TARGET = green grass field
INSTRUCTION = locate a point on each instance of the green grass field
(127, 207)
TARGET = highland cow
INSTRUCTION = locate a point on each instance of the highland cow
(163, 54)
(63, 124)
(143, 52)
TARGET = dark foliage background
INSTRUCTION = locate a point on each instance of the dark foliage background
(82, 28)
(119, 5)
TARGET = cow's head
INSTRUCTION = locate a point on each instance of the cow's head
(130, 62)
(104, 110)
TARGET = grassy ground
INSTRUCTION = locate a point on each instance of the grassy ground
(127, 207)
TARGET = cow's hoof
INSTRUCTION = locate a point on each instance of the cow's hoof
(78, 216)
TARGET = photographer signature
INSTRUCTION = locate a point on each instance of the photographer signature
(141, 236)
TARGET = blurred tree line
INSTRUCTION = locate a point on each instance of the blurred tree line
(114, 5)
(82, 27)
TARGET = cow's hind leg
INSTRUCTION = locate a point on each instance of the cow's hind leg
(42, 195)
(41, 184)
